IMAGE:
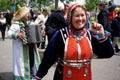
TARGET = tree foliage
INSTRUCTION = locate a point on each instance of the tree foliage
(35, 4)
(91, 5)
(5, 4)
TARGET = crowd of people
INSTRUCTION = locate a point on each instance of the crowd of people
(106, 17)
(72, 40)
(5, 22)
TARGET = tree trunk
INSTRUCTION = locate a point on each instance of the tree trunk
(56, 4)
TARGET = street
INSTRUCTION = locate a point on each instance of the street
(102, 69)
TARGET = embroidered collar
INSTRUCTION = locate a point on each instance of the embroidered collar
(76, 34)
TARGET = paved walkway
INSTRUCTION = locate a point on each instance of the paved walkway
(102, 69)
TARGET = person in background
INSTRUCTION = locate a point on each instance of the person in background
(111, 9)
(73, 46)
(25, 57)
(8, 15)
(2, 25)
(87, 25)
(55, 21)
(65, 11)
(115, 25)
(103, 16)
(41, 19)
(34, 14)
(112, 15)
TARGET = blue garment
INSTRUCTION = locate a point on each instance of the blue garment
(55, 52)
(87, 25)
(106, 33)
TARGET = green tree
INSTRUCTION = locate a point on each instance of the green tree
(91, 5)
(40, 4)
(5, 4)
(35, 4)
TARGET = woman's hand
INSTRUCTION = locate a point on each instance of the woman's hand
(97, 29)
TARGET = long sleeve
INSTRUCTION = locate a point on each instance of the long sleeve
(38, 19)
(53, 51)
(103, 49)
(3, 21)
(13, 31)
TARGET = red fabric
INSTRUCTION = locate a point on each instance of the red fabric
(71, 7)
(112, 15)
(72, 54)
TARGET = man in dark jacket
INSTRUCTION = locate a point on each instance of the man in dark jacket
(55, 21)
(103, 17)
(8, 17)
(116, 31)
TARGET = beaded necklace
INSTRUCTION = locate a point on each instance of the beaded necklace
(77, 34)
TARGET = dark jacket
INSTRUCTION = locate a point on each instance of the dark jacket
(9, 17)
(116, 27)
(103, 18)
(55, 51)
(56, 21)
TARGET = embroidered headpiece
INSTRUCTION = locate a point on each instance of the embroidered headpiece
(70, 9)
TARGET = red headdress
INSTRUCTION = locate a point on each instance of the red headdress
(70, 9)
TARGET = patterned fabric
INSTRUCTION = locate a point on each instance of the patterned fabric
(24, 39)
(55, 50)
(84, 52)
(20, 55)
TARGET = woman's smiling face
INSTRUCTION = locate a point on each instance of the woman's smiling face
(79, 18)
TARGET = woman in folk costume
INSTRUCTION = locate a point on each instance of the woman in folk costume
(25, 57)
(72, 47)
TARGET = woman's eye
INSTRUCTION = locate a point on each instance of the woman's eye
(82, 14)
(79, 15)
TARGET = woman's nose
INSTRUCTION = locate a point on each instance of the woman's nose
(80, 18)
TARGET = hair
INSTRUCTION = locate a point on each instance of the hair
(45, 10)
(81, 6)
(102, 4)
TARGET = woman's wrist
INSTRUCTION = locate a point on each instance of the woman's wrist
(103, 39)
(103, 36)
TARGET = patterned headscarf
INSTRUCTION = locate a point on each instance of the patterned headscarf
(70, 10)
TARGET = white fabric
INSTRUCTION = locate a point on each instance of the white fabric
(3, 20)
(41, 19)
(18, 63)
